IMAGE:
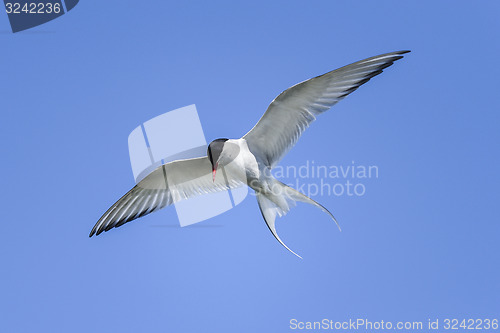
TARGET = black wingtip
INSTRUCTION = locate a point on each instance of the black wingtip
(93, 231)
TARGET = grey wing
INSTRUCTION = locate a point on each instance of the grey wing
(167, 184)
(296, 108)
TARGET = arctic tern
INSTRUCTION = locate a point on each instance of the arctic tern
(250, 159)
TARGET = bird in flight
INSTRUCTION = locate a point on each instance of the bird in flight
(248, 161)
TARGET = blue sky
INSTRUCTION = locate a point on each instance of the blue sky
(422, 242)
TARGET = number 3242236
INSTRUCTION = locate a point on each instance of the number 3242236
(470, 324)
(32, 8)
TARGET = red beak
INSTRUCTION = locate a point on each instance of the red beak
(214, 170)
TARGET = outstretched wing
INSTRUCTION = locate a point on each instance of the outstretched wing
(297, 107)
(167, 184)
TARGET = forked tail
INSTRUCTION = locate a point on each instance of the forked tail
(279, 203)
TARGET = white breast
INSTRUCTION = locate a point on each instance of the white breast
(243, 166)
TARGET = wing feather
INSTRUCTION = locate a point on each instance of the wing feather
(169, 183)
(288, 116)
